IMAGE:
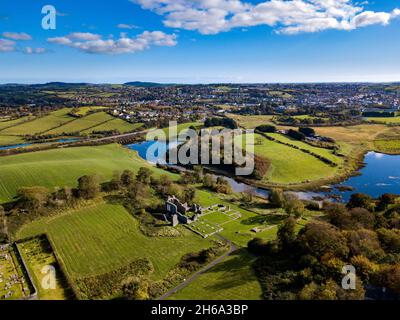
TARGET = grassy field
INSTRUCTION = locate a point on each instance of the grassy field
(115, 124)
(10, 123)
(232, 279)
(62, 167)
(41, 124)
(250, 122)
(9, 140)
(387, 146)
(288, 165)
(388, 120)
(111, 239)
(84, 110)
(320, 151)
(82, 124)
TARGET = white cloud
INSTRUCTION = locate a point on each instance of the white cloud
(127, 26)
(17, 35)
(286, 16)
(95, 44)
(7, 45)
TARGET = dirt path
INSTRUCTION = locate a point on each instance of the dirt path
(193, 277)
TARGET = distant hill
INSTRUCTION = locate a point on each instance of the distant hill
(147, 84)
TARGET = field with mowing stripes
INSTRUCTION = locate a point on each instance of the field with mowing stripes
(41, 124)
(81, 124)
(62, 167)
(111, 239)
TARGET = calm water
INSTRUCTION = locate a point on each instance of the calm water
(381, 174)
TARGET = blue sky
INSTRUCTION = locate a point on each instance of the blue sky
(201, 41)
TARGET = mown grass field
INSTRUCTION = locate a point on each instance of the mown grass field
(104, 237)
(41, 124)
(232, 279)
(82, 124)
(62, 167)
(289, 165)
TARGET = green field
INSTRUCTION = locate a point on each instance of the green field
(111, 239)
(9, 140)
(251, 122)
(116, 124)
(41, 124)
(10, 123)
(232, 279)
(289, 165)
(81, 124)
(326, 153)
(62, 167)
(84, 110)
(388, 120)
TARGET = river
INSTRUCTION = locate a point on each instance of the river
(381, 174)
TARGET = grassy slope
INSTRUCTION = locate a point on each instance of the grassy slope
(250, 122)
(9, 123)
(111, 239)
(62, 167)
(116, 124)
(289, 165)
(84, 123)
(41, 124)
(232, 279)
(9, 140)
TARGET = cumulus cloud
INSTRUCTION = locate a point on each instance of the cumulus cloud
(93, 43)
(17, 35)
(7, 45)
(286, 16)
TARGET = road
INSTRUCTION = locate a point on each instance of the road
(193, 277)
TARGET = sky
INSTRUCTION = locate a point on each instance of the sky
(200, 41)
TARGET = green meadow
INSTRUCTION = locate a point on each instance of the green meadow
(115, 124)
(112, 239)
(231, 279)
(62, 167)
(289, 165)
(388, 120)
(81, 124)
(41, 124)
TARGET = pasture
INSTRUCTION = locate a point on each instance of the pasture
(289, 165)
(82, 124)
(83, 111)
(251, 122)
(111, 239)
(388, 120)
(115, 124)
(62, 167)
(231, 279)
(41, 124)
